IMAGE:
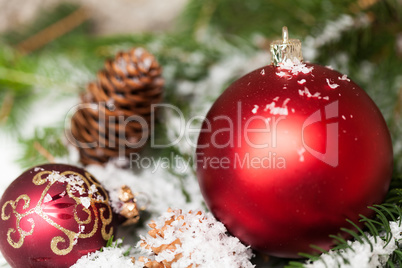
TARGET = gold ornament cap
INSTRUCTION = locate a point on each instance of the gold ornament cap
(130, 210)
(282, 50)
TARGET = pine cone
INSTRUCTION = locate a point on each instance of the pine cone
(114, 119)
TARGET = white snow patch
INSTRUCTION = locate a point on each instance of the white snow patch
(203, 242)
(344, 78)
(273, 109)
(255, 109)
(109, 257)
(306, 92)
(332, 31)
(293, 67)
(85, 201)
(281, 74)
(333, 86)
(301, 82)
(47, 198)
(360, 255)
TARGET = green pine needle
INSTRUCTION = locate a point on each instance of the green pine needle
(50, 139)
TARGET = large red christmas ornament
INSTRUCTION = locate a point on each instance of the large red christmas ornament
(52, 215)
(290, 151)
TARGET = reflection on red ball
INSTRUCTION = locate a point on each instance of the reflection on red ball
(52, 215)
(285, 156)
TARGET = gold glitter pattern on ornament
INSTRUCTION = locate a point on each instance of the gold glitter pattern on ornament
(4, 217)
(84, 190)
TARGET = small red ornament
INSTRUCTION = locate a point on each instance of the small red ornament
(289, 152)
(52, 215)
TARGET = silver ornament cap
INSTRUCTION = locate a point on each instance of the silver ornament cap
(286, 49)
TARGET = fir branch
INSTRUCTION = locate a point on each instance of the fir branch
(6, 106)
(30, 79)
(50, 142)
(44, 20)
(379, 230)
(244, 18)
(53, 31)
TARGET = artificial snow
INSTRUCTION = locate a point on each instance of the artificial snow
(344, 78)
(332, 32)
(273, 109)
(108, 257)
(85, 201)
(194, 238)
(47, 198)
(301, 82)
(306, 92)
(281, 74)
(361, 255)
(294, 67)
(157, 182)
(75, 182)
(199, 240)
(332, 85)
(255, 109)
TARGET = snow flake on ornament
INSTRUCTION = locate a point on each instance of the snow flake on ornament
(47, 198)
(273, 109)
(294, 67)
(76, 185)
(344, 78)
(333, 86)
(281, 74)
(301, 82)
(85, 201)
(262, 72)
(306, 92)
(255, 109)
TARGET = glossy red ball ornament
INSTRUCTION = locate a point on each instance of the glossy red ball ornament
(52, 215)
(287, 153)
